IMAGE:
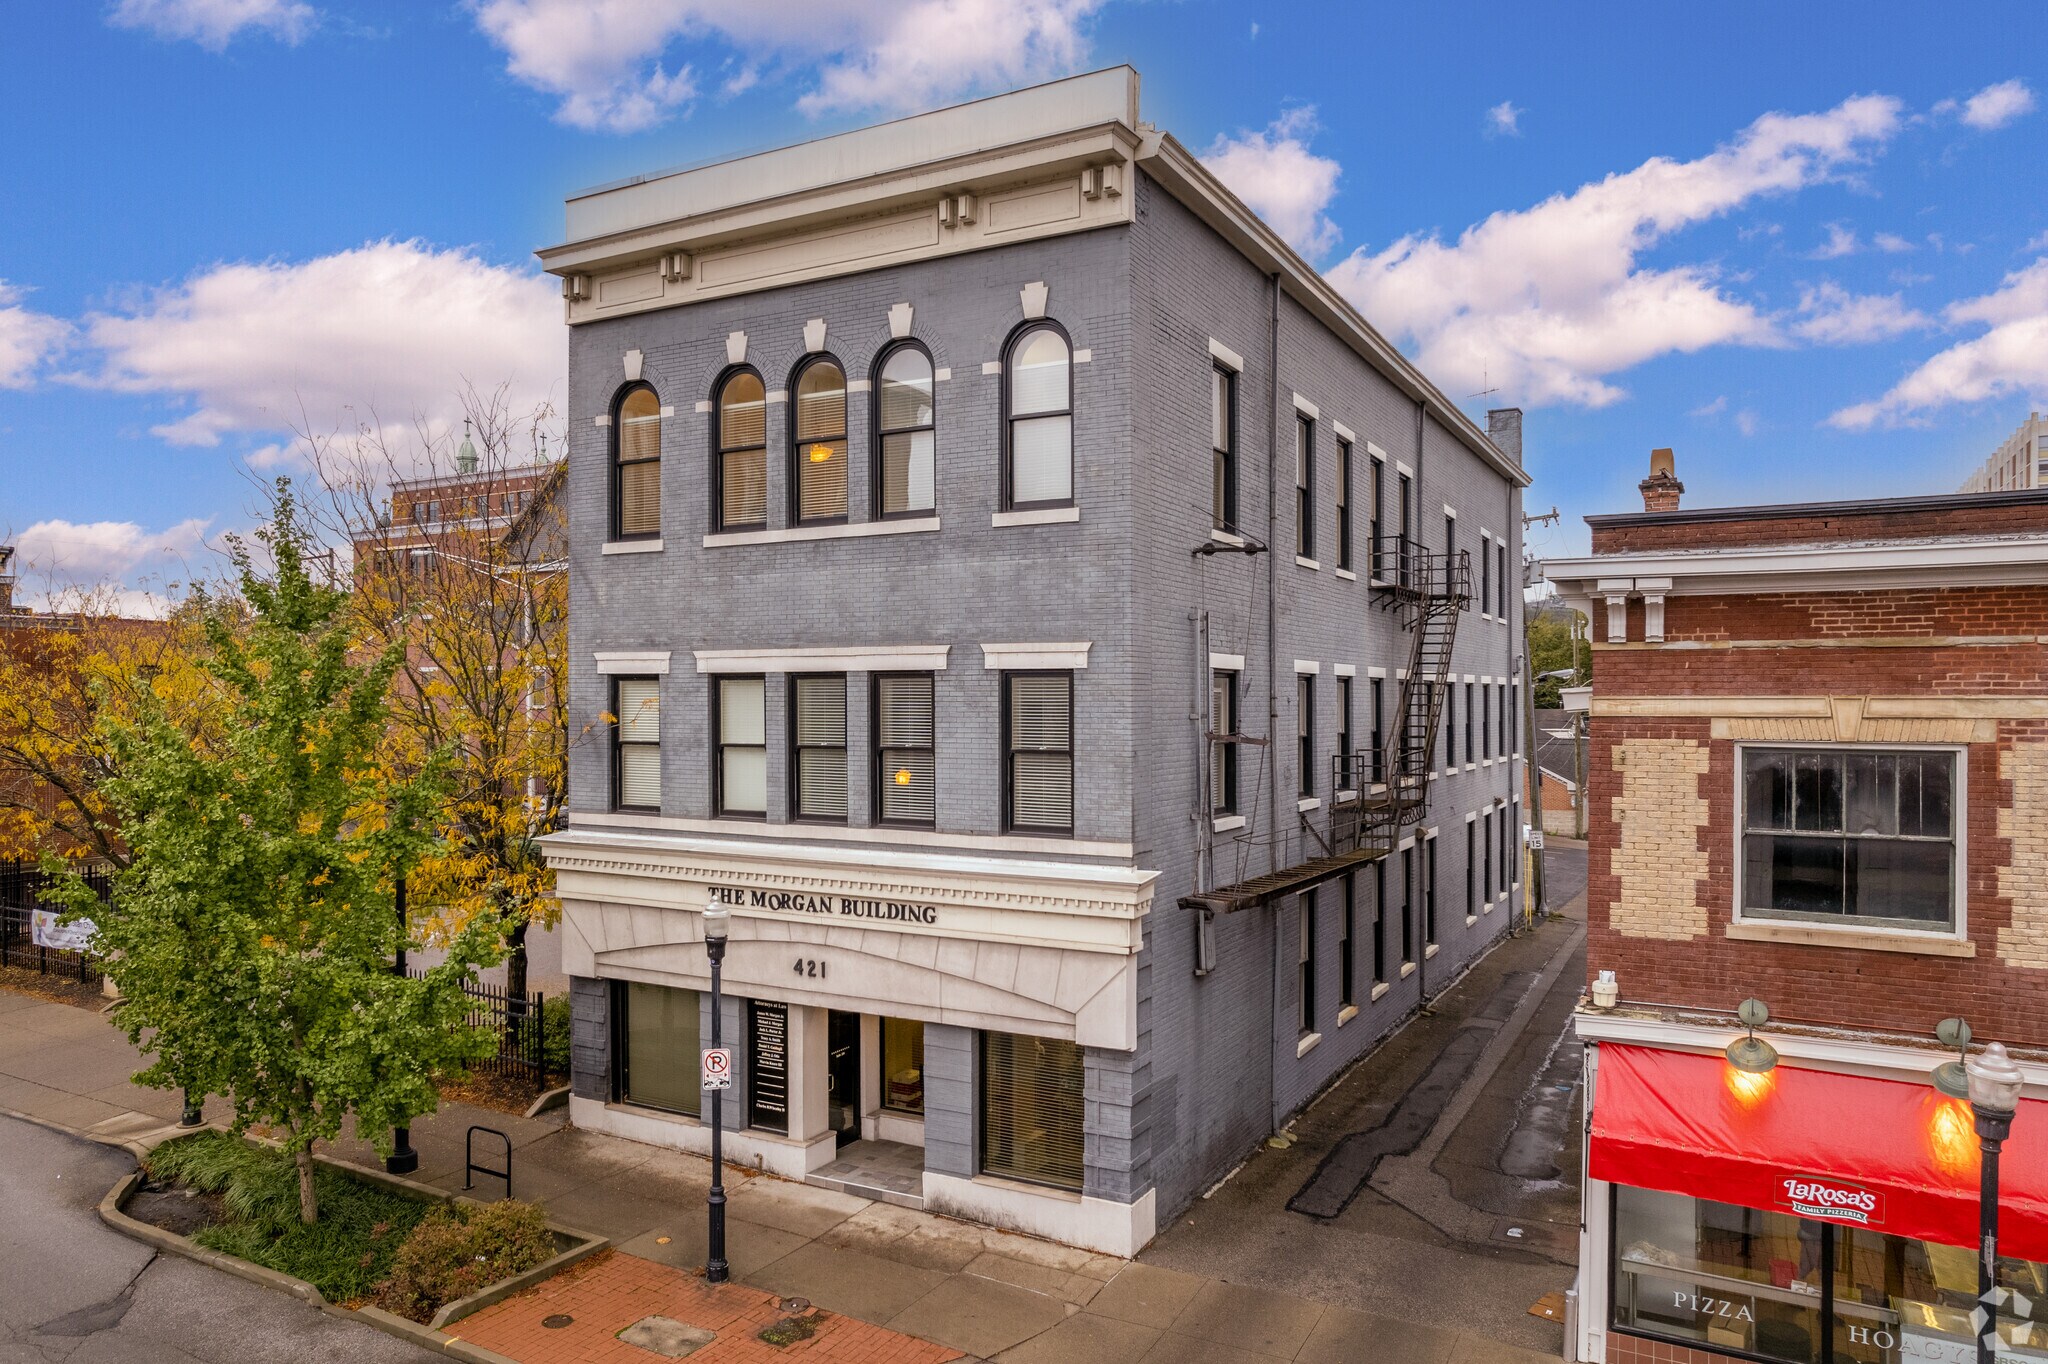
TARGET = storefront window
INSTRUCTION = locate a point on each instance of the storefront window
(658, 1067)
(903, 1065)
(1780, 1287)
(1031, 1108)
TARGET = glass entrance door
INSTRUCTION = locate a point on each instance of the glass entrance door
(842, 1075)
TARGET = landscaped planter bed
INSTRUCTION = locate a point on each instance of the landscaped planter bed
(357, 1253)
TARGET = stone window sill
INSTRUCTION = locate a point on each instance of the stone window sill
(1303, 562)
(1860, 940)
(1407, 969)
(1380, 989)
(1429, 952)
(1346, 1014)
(1347, 575)
(1228, 823)
(1308, 1043)
(790, 534)
(1471, 919)
(632, 546)
(1036, 516)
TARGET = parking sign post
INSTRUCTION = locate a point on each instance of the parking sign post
(717, 918)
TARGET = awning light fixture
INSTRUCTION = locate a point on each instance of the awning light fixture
(1950, 1077)
(1750, 1053)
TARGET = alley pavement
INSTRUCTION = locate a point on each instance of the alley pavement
(1437, 1204)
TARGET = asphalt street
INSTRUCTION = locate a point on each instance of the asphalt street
(74, 1290)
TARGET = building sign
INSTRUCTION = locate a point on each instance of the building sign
(72, 937)
(837, 906)
(1831, 1200)
(768, 1076)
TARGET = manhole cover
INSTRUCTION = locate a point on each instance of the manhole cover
(796, 1304)
(557, 1321)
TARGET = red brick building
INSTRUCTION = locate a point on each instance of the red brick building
(1817, 777)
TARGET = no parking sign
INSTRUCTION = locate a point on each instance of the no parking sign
(718, 1067)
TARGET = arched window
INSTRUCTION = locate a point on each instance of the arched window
(636, 464)
(1038, 411)
(741, 442)
(818, 441)
(906, 459)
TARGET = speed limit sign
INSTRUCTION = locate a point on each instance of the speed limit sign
(718, 1068)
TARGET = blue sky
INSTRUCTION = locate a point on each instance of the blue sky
(1805, 246)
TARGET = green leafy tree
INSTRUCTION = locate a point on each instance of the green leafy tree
(252, 932)
(1551, 648)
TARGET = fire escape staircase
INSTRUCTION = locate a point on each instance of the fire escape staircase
(1387, 792)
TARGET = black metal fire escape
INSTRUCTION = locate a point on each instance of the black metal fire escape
(1384, 792)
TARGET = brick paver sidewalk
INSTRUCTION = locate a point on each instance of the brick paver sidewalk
(609, 1292)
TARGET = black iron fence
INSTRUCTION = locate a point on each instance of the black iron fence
(517, 1022)
(24, 892)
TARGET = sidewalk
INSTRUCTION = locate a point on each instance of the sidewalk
(986, 1294)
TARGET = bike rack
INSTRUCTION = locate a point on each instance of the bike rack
(471, 1168)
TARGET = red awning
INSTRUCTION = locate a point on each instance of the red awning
(1895, 1157)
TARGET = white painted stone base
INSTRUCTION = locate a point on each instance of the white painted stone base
(1096, 1224)
(784, 1156)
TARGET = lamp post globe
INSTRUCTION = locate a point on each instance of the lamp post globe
(1994, 1101)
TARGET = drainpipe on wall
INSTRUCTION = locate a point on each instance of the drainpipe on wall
(1273, 684)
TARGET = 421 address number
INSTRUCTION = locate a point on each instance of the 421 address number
(810, 968)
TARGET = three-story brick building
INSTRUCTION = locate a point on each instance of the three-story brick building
(1080, 650)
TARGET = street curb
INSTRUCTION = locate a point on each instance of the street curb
(553, 1098)
(430, 1336)
(139, 1141)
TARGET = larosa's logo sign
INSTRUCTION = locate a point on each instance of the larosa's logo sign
(1831, 1200)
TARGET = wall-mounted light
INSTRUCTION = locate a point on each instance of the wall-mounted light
(1950, 1077)
(1751, 1053)
(820, 453)
(903, 776)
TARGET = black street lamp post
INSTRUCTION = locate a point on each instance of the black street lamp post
(1994, 1099)
(717, 920)
(403, 1160)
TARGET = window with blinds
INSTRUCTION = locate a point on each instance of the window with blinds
(1031, 1109)
(1304, 487)
(1305, 731)
(742, 746)
(1344, 505)
(1223, 753)
(1305, 962)
(657, 1065)
(742, 443)
(636, 464)
(1039, 400)
(1344, 728)
(636, 743)
(819, 432)
(906, 441)
(818, 717)
(1038, 742)
(906, 735)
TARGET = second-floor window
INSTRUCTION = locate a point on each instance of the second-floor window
(1850, 835)
(1304, 487)
(636, 464)
(906, 439)
(818, 454)
(741, 439)
(1223, 753)
(1379, 737)
(1347, 776)
(1038, 751)
(818, 735)
(905, 743)
(1344, 505)
(1038, 402)
(636, 743)
(1373, 528)
(1223, 439)
(1485, 576)
(742, 727)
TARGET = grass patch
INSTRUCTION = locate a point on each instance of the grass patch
(789, 1330)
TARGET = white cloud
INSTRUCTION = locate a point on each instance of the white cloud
(27, 338)
(1841, 242)
(2011, 357)
(1504, 120)
(1747, 423)
(214, 23)
(383, 333)
(1547, 301)
(1891, 243)
(610, 64)
(2039, 243)
(1997, 105)
(1831, 315)
(1281, 180)
(59, 560)
(1712, 409)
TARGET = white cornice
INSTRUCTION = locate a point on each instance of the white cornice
(1973, 562)
(859, 658)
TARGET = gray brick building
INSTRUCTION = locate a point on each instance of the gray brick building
(978, 524)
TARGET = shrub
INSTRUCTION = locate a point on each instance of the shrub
(456, 1251)
(554, 1034)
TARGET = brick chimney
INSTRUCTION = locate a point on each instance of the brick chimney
(1504, 427)
(1661, 489)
